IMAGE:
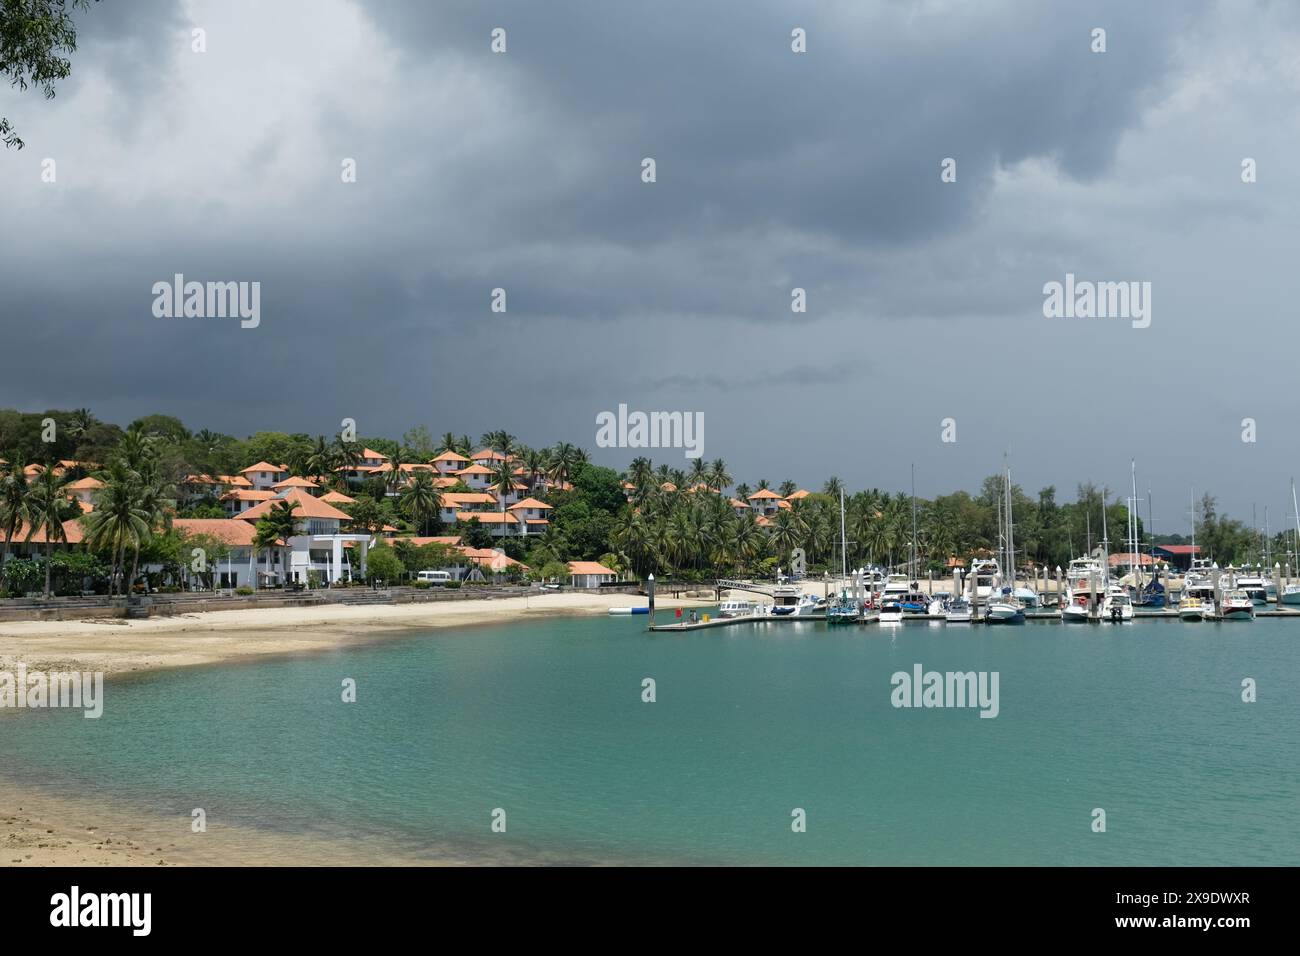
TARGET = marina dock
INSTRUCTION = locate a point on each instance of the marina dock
(1046, 616)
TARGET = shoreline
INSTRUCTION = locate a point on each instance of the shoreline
(117, 647)
(40, 827)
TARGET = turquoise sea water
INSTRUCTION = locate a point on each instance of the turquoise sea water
(545, 720)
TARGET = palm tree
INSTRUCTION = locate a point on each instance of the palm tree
(80, 422)
(157, 499)
(785, 531)
(47, 503)
(503, 480)
(833, 487)
(719, 477)
(564, 459)
(320, 463)
(535, 463)
(14, 511)
(118, 521)
(743, 491)
(278, 525)
(699, 471)
(500, 440)
(787, 488)
(447, 443)
(421, 500)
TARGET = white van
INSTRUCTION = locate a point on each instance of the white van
(434, 577)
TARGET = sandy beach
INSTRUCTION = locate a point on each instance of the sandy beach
(120, 646)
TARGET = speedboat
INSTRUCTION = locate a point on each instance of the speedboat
(939, 603)
(1118, 606)
(736, 608)
(1075, 611)
(1237, 606)
(1290, 595)
(891, 612)
(958, 611)
(1191, 608)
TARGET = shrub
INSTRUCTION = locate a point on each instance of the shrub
(245, 590)
(452, 585)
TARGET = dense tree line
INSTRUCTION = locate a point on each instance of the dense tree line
(678, 521)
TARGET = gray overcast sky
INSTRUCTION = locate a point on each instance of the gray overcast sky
(775, 170)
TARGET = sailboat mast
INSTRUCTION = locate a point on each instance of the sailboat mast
(913, 564)
(844, 545)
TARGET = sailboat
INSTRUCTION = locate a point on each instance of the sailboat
(1291, 593)
(1116, 605)
(846, 609)
(1005, 608)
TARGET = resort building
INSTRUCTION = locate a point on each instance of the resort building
(448, 463)
(589, 574)
(764, 502)
(264, 475)
(318, 544)
(84, 490)
(239, 500)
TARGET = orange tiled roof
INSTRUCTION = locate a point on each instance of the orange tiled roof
(531, 503)
(230, 530)
(764, 493)
(260, 466)
(588, 567)
(308, 507)
(448, 456)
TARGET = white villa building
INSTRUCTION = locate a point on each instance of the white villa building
(319, 544)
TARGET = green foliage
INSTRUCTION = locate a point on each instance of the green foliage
(35, 36)
(382, 564)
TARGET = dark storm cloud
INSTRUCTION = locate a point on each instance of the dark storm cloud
(522, 171)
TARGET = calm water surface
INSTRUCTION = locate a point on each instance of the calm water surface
(545, 720)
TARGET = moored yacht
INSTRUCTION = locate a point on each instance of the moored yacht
(1237, 606)
(788, 600)
(1085, 588)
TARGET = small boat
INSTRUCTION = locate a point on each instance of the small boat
(1191, 608)
(1118, 606)
(958, 611)
(1152, 597)
(1076, 611)
(1005, 610)
(891, 612)
(1237, 605)
(939, 603)
(736, 608)
(845, 610)
(915, 601)
(1290, 595)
